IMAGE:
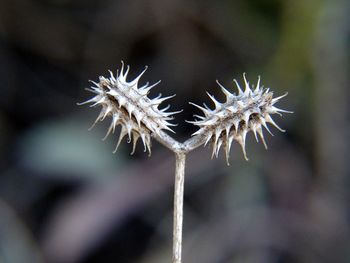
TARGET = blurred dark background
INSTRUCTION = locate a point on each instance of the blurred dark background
(65, 198)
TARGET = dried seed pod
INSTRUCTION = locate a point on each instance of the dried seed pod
(249, 110)
(129, 106)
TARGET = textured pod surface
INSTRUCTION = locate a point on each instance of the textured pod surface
(249, 110)
(129, 106)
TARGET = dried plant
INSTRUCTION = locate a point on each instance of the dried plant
(129, 106)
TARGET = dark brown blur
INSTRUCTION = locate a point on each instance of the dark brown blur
(65, 198)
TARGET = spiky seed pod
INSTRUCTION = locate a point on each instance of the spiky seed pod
(129, 106)
(249, 110)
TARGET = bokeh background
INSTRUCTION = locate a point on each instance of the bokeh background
(65, 198)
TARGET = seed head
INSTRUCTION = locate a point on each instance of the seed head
(249, 110)
(129, 106)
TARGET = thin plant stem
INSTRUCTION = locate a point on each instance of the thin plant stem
(180, 150)
(178, 206)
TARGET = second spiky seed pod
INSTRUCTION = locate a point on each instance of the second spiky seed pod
(249, 110)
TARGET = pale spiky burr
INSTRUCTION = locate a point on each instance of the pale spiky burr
(129, 106)
(249, 110)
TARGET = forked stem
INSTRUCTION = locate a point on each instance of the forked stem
(180, 150)
(178, 206)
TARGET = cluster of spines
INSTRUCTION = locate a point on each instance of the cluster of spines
(249, 110)
(129, 106)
